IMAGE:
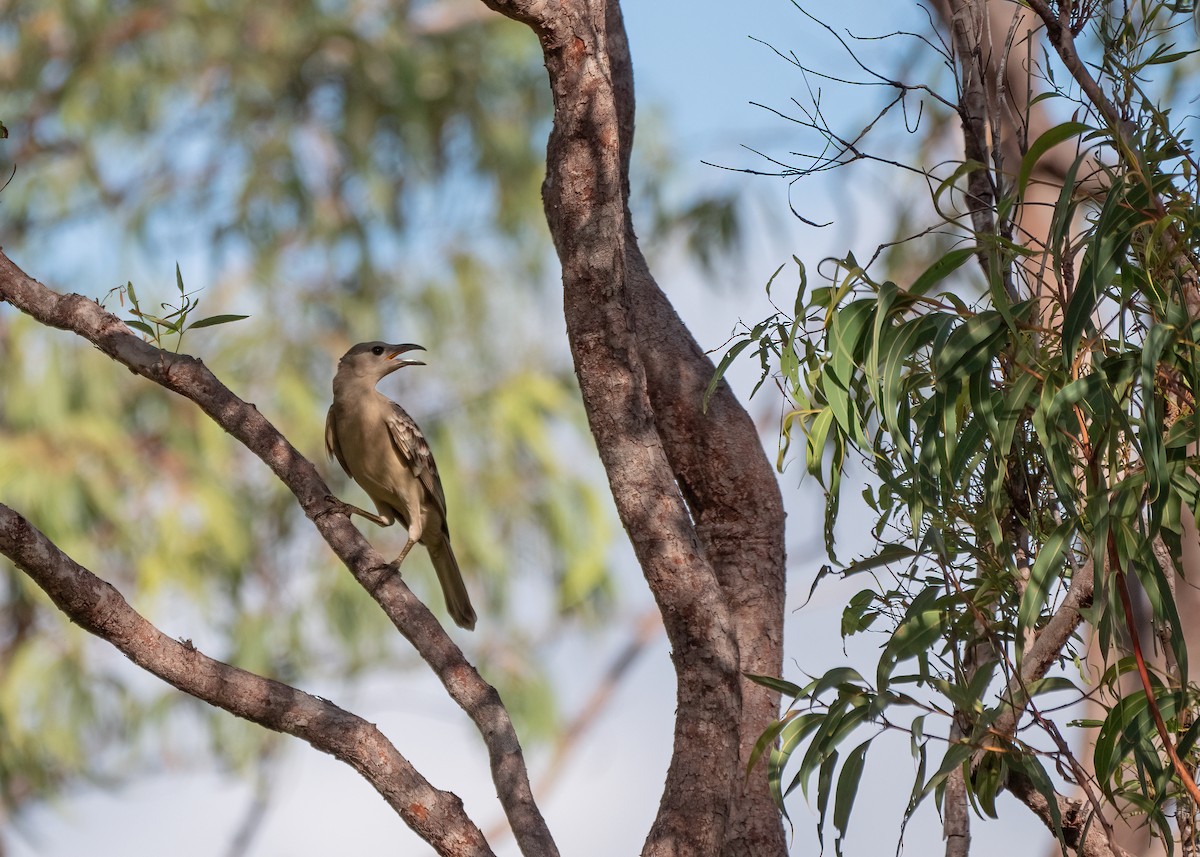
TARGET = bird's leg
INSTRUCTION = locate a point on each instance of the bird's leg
(404, 553)
(336, 505)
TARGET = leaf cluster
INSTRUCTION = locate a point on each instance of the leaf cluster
(174, 319)
(1017, 427)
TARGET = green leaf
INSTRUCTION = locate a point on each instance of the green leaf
(778, 685)
(1047, 141)
(215, 320)
(1100, 262)
(1028, 764)
(835, 677)
(887, 555)
(794, 731)
(1111, 741)
(722, 368)
(920, 628)
(942, 268)
(967, 349)
(816, 435)
(1154, 453)
(987, 779)
(1050, 559)
(847, 788)
(824, 783)
(902, 347)
(844, 335)
(766, 739)
(140, 326)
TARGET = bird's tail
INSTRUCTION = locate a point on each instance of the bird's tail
(458, 602)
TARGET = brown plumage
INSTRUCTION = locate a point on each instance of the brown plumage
(380, 446)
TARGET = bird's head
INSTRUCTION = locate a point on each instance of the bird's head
(374, 360)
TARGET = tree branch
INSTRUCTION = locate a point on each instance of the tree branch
(97, 607)
(1063, 41)
(1046, 649)
(192, 379)
(1080, 828)
(968, 25)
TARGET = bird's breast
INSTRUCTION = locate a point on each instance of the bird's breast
(366, 446)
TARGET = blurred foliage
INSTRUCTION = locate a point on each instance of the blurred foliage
(1013, 444)
(338, 171)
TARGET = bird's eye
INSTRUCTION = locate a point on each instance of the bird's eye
(377, 350)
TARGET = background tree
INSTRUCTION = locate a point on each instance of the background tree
(1030, 437)
(693, 490)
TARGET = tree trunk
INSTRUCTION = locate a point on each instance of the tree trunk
(694, 490)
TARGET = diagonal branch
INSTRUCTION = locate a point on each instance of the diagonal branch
(1046, 649)
(1063, 40)
(1081, 829)
(192, 379)
(436, 816)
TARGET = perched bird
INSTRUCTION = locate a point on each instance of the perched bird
(382, 449)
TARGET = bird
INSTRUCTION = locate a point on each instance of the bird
(381, 448)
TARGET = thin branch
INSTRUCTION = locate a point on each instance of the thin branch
(1046, 649)
(967, 23)
(1063, 40)
(1181, 770)
(97, 607)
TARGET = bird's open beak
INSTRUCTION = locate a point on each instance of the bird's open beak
(397, 350)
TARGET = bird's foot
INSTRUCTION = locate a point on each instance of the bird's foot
(335, 506)
(332, 507)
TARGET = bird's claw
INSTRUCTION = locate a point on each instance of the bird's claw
(334, 507)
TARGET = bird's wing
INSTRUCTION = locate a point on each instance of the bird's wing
(414, 449)
(331, 443)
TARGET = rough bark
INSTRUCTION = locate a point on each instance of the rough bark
(1081, 830)
(436, 816)
(192, 379)
(727, 482)
(694, 491)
